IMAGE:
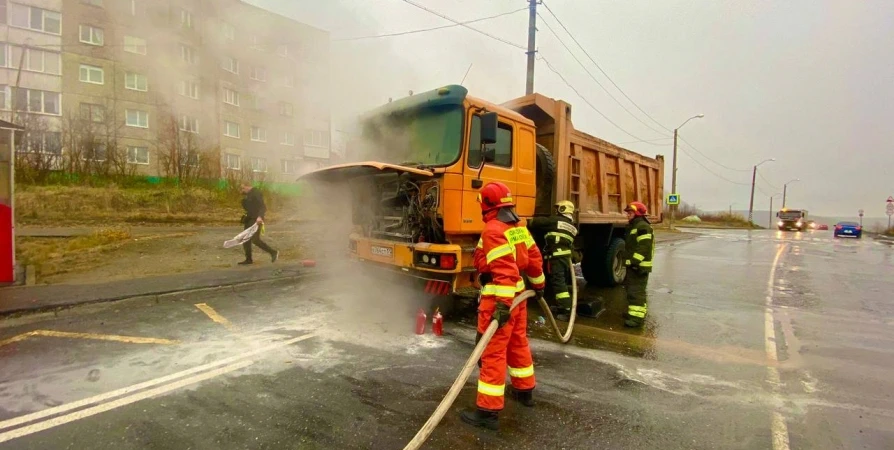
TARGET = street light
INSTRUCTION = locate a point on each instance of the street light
(753, 179)
(674, 169)
(784, 187)
(770, 225)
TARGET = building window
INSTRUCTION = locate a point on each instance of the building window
(316, 138)
(258, 134)
(96, 152)
(231, 65)
(231, 129)
(231, 97)
(228, 31)
(136, 118)
(185, 18)
(258, 164)
(259, 73)
(257, 102)
(282, 50)
(189, 124)
(35, 60)
(36, 101)
(289, 166)
(286, 109)
(91, 35)
(136, 82)
(188, 54)
(91, 74)
(138, 155)
(47, 142)
(135, 45)
(23, 16)
(288, 138)
(288, 80)
(93, 2)
(188, 89)
(189, 158)
(92, 113)
(232, 162)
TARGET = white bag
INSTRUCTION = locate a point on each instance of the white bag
(242, 237)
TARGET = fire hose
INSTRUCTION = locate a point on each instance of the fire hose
(472, 362)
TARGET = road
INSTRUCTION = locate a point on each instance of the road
(755, 340)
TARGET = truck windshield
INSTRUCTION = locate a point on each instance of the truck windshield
(790, 215)
(423, 137)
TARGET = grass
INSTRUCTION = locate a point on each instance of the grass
(711, 220)
(52, 256)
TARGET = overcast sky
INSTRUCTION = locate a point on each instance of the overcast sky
(810, 83)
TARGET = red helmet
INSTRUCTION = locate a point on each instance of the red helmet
(494, 195)
(638, 208)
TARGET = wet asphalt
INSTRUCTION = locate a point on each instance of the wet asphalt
(754, 340)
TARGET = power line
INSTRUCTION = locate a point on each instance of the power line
(767, 181)
(564, 80)
(600, 68)
(410, 2)
(647, 140)
(402, 33)
(711, 171)
(709, 158)
(593, 77)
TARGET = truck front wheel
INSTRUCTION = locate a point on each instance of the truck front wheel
(604, 266)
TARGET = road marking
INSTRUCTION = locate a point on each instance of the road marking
(94, 336)
(213, 315)
(137, 387)
(123, 401)
(778, 426)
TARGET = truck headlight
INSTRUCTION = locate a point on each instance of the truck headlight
(779, 224)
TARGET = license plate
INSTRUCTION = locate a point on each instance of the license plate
(848, 231)
(387, 252)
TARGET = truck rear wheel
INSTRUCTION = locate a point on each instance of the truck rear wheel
(604, 266)
(546, 176)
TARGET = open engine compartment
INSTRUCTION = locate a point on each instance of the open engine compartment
(398, 207)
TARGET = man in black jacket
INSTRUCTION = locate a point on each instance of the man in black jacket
(254, 207)
(559, 233)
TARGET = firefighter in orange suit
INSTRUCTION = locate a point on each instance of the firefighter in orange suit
(505, 252)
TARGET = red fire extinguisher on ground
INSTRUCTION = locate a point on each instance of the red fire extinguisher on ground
(420, 322)
(437, 323)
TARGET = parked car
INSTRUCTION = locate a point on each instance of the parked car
(822, 226)
(850, 229)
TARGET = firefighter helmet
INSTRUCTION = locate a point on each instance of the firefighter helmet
(565, 207)
(638, 208)
(494, 195)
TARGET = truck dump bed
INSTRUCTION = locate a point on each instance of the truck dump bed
(598, 176)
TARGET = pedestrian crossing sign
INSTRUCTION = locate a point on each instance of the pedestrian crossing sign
(673, 199)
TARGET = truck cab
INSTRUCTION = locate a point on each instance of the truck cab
(791, 219)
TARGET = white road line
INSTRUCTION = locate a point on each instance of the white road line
(778, 426)
(123, 401)
(137, 387)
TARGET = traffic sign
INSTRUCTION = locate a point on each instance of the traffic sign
(861, 213)
(890, 209)
(673, 199)
(890, 199)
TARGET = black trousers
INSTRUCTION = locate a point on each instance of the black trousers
(558, 276)
(637, 299)
(256, 240)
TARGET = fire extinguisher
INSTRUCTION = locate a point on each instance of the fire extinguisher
(437, 323)
(420, 322)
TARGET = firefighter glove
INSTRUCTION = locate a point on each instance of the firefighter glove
(501, 314)
(539, 293)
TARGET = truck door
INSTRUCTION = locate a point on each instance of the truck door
(502, 169)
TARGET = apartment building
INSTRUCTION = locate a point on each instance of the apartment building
(165, 84)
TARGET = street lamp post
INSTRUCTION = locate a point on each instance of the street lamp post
(770, 221)
(674, 169)
(785, 187)
(753, 179)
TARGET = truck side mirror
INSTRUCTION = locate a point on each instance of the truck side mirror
(488, 128)
(489, 155)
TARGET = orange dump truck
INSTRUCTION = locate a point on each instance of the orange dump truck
(415, 208)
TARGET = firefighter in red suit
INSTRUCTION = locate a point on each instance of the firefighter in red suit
(505, 251)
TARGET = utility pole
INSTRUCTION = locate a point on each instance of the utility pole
(674, 181)
(532, 32)
(770, 220)
(751, 204)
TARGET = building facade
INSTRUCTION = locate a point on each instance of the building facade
(167, 87)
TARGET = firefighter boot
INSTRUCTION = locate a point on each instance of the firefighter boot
(480, 418)
(524, 397)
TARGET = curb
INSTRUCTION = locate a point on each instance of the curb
(157, 296)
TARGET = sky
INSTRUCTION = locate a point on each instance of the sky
(807, 82)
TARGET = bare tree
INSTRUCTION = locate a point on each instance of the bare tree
(38, 149)
(182, 154)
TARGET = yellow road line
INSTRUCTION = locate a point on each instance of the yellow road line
(778, 426)
(213, 315)
(94, 336)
